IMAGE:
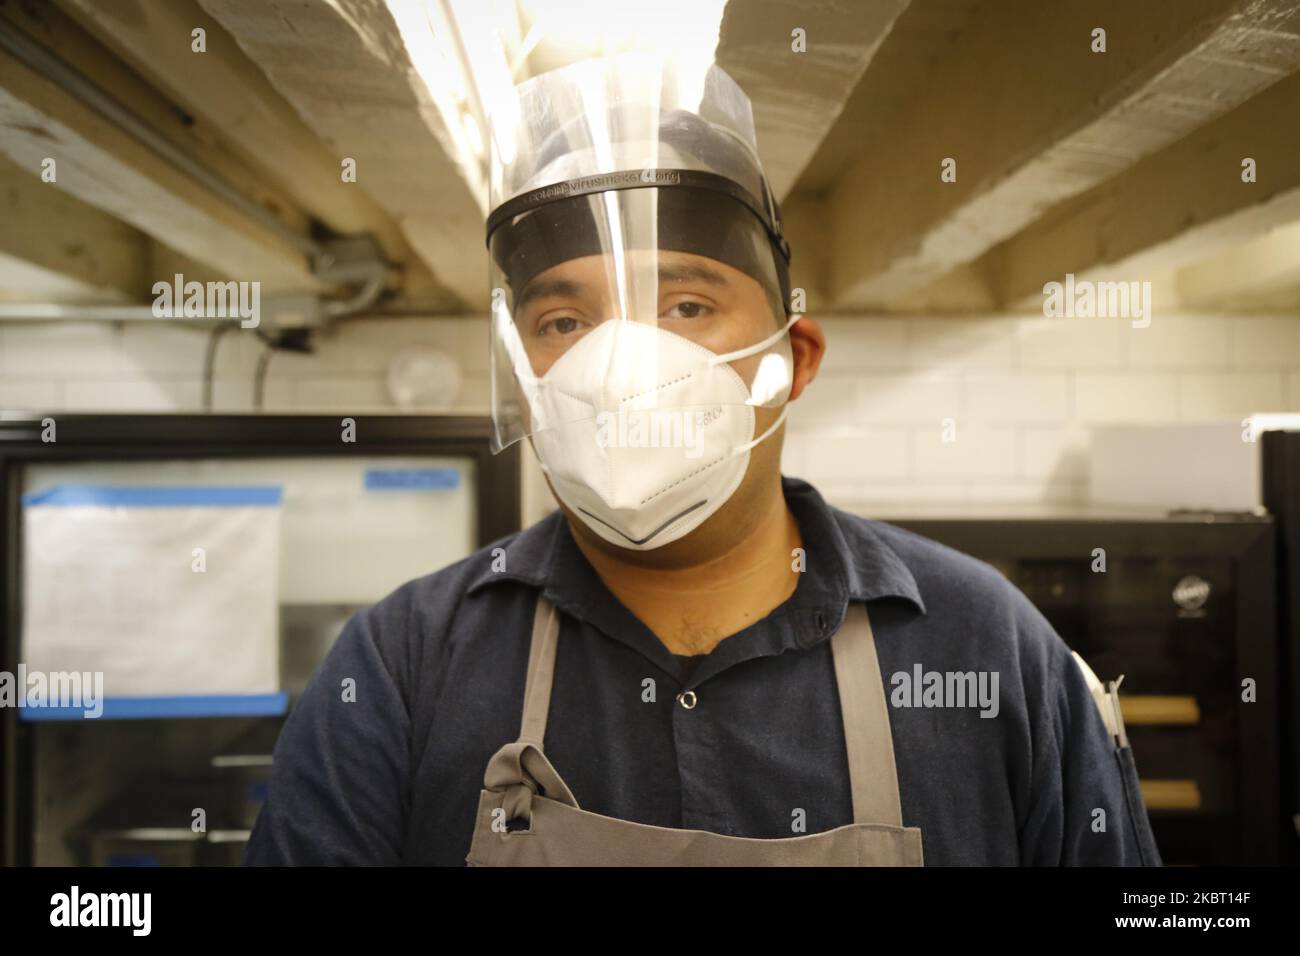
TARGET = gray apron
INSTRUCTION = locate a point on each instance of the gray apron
(521, 786)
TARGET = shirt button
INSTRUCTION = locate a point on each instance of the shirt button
(688, 699)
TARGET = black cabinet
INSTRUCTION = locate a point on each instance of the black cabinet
(1186, 610)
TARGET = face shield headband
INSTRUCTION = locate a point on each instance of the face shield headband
(696, 210)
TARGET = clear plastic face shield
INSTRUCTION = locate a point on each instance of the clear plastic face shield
(639, 287)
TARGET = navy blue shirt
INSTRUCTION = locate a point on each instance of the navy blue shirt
(382, 760)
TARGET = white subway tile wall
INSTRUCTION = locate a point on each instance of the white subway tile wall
(917, 415)
(104, 367)
(998, 411)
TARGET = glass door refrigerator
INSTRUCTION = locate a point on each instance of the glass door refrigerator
(168, 584)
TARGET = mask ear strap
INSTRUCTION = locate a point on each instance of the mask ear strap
(755, 349)
(771, 428)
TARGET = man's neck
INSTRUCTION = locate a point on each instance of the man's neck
(691, 607)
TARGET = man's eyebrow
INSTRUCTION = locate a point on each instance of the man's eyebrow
(685, 272)
(677, 272)
(547, 287)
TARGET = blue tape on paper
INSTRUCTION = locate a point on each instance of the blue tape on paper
(411, 479)
(139, 708)
(163, 496)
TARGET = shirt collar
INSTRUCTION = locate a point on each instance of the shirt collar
(847, 559)
(524, 557)
(872, 568)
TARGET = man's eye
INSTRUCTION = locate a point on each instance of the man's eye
(687, 310)
(564, 325)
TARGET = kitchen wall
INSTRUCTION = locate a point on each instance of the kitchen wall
(1022, 394)
(1015, 397)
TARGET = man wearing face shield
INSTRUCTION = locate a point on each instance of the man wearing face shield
(696, 660)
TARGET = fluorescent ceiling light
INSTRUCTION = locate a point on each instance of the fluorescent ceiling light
(582, 29)
(470, 53)
(459, 51)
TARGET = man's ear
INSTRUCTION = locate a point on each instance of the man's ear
(807, 346)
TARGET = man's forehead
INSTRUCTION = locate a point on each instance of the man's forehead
(593, 273)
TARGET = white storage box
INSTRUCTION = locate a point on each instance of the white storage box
(1199, 466)
(1203, 466)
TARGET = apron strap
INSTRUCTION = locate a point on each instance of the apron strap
(873, 777)
(541, 672)
(520, 770)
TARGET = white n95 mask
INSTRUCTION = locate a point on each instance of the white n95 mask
(645, 452)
